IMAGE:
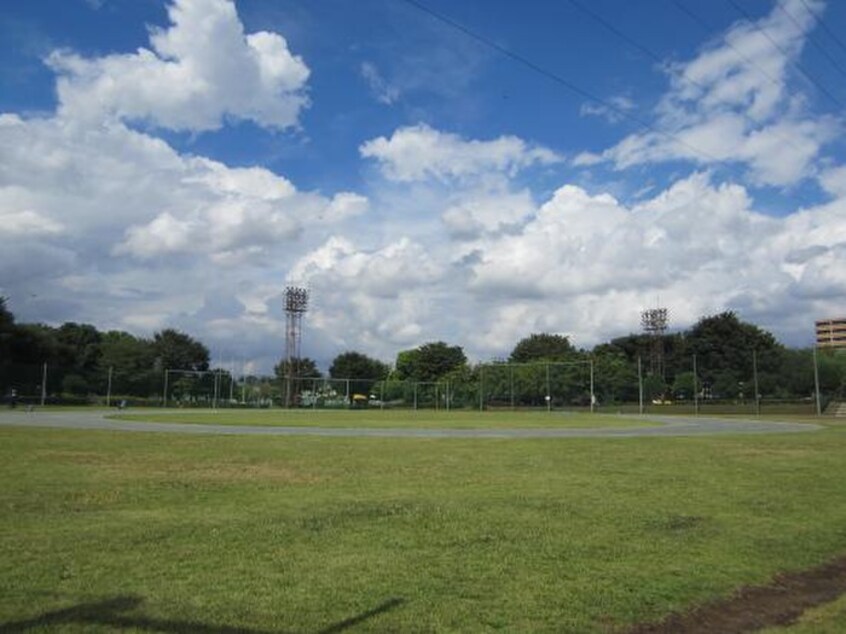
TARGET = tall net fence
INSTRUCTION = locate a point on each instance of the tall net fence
(797, 382)
(566, 385)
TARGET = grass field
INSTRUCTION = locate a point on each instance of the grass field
(104, 531)
(397, 418)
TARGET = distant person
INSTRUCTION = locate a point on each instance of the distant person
(13, 398)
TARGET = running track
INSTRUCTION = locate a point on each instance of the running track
(664, 426)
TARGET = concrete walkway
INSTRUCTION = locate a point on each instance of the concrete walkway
(664, 426)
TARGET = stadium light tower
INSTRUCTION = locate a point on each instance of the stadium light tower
(296, 304)
(655, 322)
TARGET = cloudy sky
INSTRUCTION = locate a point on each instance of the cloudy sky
(471, 171)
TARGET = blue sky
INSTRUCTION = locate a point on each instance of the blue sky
(176, 163)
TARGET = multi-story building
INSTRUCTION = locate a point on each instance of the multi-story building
(831, 333)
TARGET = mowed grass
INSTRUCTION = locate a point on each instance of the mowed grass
(101, 531)
(375, 418)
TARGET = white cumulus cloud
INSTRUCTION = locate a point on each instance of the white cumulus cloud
(198, 71)
(420, 152)
(733, 104)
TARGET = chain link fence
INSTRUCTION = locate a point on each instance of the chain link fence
(796, 383)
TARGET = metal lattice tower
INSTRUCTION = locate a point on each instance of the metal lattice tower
(296, 304)
(655, 322)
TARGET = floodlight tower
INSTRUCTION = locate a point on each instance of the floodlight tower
(296, 304)
(655, 322)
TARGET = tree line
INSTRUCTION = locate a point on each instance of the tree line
(732, 358)
(80, 358)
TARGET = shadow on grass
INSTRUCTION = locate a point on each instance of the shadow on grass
(108, 613)
(355, 620)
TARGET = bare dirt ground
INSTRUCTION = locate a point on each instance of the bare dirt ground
(752, 608)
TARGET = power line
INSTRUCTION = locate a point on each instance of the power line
(786, 54)
(710, 28)
(824, 26)
(813, 41)
(557, 78)
(598, 18)
(595, 16)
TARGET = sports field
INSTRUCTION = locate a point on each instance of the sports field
(104, 531)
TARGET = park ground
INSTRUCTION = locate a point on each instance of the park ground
(104, 530)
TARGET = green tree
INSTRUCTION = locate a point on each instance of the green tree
(79, 351)
(794, 376)
(543, 347)
(654, 387)
(724, 344)
(832, 372)
(7, 336)
(175, 350)
(615, 376)
(684, 385)
(303, 368)
(363, 370)
(7, 319)
(355, 365)
(132, 361)
(429, 362)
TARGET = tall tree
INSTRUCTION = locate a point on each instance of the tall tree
(543, 347)
(303, 368)
(80, 346)
(7, 335)
(429, 362)
(363, 370)
(724, 346)
(616, 376)
(175, 350)
(132, 362)
(355, 365)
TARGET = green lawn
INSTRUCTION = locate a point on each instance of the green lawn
(429, 419)
(162, 532)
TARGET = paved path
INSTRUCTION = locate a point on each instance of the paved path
(664, 426)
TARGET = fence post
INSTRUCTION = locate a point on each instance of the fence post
(481, 388)
(109, 389)
(44, 384)
(755, 381)
(164, 393)
(592, 395)
(817, 382)
(640, 385)
(695, 389)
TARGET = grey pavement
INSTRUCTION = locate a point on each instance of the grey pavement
(664, 426)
